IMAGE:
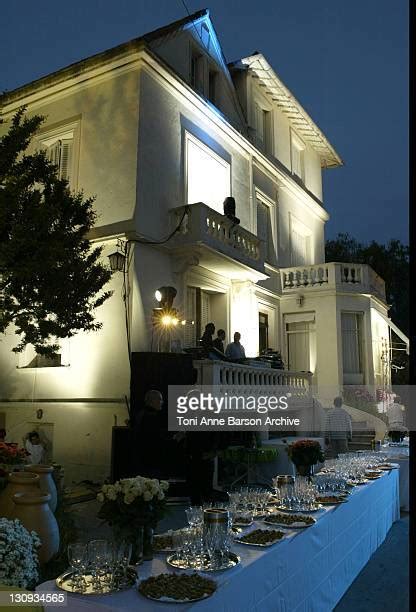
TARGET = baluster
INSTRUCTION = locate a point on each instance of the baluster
(349, 275)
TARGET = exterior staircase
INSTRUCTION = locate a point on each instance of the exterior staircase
(362, 436)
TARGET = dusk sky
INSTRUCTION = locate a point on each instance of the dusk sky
(346, 62)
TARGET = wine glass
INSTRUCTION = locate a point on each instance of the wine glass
(77, 557)
(97, 558)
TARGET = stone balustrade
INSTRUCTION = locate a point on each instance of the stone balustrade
(359, 278)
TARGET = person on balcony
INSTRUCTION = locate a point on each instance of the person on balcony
(235, 350)
(206, 339)
(219, 340)
(338, 428)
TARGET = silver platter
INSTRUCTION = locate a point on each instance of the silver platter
(296, 525)
(300, 510)
(65, 583)
(232, 561)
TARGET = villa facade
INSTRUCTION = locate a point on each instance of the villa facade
(161, 130)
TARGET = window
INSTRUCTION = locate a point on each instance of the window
(352, 348)
(297, 152)
(298, 346)
(300, 237)
(59, 145)
(198, 311)
(212, 86)
(265, 232)
(197, 71)
(263, 331)
(208, 176)
(263, 128)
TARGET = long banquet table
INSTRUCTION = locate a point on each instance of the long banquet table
(307, 571)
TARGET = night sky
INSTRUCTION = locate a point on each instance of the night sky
(346, 62)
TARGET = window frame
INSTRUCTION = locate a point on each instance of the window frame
(189, 137)
(260, 196)
(296, 143)
(65, 131)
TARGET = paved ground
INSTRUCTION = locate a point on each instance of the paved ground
(381, 587)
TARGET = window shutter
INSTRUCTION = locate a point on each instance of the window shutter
(259, 125)
(60, 154)
(189, 338)
(205, 309)
(53, 153)
(65, 165)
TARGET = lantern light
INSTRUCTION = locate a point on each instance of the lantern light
(117, 261)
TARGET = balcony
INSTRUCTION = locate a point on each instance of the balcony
(343, 277)
(219, 245)
(234, 376)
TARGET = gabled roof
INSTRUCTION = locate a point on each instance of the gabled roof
(81, 65)
(292, 109)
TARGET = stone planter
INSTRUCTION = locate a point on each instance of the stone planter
(17, 482)
(33, 510)
(47, 483)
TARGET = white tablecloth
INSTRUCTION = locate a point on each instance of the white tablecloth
(308, 571)
(400, 455)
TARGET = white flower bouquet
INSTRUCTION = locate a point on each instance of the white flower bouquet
(19, 565)
(133, 502)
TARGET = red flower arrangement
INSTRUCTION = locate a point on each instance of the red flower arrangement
(11, 454)
(305, 452)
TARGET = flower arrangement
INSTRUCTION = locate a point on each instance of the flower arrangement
(19, 565)
(11, 454)
(133, 502)
(305, 452)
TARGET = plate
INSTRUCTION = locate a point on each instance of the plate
(238, 524)
(240, 540)
(64, 582)
(334, 502)
(149, 587)
(232, 561)
(164, 549)
(295, 525)
(354, 483)
(304, 510)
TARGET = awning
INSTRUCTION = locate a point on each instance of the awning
(396, 330)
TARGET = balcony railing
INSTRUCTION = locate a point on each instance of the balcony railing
(234, 376)
(357, 278)
(205, 226)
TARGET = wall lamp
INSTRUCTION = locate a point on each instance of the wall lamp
(165, 296)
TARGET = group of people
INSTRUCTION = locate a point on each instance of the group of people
(234, 350)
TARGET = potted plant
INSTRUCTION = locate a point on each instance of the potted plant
(132, 503)
(304, 454)
(19, 565)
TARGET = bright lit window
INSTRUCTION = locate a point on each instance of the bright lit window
(207, 175)
(298, 162)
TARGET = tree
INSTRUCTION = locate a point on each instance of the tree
(51, 280)
(390, 261)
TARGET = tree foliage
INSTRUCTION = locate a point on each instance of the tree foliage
(51, 280)
(390, 261)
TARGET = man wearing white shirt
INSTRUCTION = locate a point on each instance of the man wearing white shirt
(35, 448)
(235, 350)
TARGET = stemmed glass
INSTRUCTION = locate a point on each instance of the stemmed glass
(122, 554)
(98, 560)
(77, 557)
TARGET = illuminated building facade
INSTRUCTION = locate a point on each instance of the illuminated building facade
(149, 127)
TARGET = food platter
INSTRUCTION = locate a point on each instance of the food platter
(290, 521)
(331, 500)
(65, 583)
(162, 543)
(231, 561)
(177, 588)
(315, 508)
(261, 534)
(239, 523)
